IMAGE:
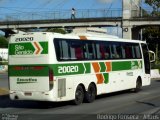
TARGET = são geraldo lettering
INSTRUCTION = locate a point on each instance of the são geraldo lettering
(20, 50)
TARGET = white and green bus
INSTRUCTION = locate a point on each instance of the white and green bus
(47, 66)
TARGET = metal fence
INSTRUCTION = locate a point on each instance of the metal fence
(145, 13)
(65, 14)
(80, 13)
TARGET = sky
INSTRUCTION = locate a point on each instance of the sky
(16, 6)
(21, 6)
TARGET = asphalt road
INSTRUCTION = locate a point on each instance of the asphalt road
(3, 80)
(147, 101)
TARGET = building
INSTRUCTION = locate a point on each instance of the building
(3, 54)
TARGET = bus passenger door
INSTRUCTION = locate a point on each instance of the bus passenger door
(146, 63)
(146, 58)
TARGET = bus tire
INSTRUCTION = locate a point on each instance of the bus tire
(79, 96)
(138, 85)
(90, 94)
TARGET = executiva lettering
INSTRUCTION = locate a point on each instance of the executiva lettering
(26, 80)
(24, 39)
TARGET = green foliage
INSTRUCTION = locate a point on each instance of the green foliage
(4, 63)
(152, 32)
(152, 36)
(155, 66)
(145, 13)
(155, 4)
(57, 30)
(3, 42)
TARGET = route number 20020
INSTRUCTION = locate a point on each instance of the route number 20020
(67, 69)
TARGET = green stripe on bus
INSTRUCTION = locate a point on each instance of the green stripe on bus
(123, 65)
(106, 77)
(87, 67)
(102, 67)
(44, 45)
(73, 68)
(136, 64)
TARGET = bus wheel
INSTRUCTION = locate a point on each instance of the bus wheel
(138, 85)
(91, 93)
(79, 95)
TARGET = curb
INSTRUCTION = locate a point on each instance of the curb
(155, 78)
(155, 75)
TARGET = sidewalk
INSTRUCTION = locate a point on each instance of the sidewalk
(155, 74)
(3, 91)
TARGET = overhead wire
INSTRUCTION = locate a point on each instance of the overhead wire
(10, 9)
(94, 4)
(45, 3)
(64, 4)
(29, 2)
(83, 3)
(60, 4)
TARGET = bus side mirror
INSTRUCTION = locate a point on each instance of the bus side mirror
(151, 56)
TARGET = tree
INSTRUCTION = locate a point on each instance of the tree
(3, 42)
(152, 34)
(57, 30)
(155, 4)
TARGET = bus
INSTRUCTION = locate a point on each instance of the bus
(45, 66)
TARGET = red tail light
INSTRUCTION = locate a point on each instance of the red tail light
(18, 68)
(38, 67)
(28, 67)
(51, 75)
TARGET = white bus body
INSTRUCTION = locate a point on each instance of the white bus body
(56, 67)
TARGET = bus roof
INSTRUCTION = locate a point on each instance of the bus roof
(98, 37)
(84, 36)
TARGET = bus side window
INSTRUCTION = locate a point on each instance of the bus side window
(72, 53)
(119, 51)
(102, 51)
(138, 52)
(123, 51)
(90, 51)
(107, 52)
(98, 52)
(79, 53)
(62, 50)
(133, 52)
(85, 54)
(116, 51)
(128, 51)
(76, 50)
(65, 49)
